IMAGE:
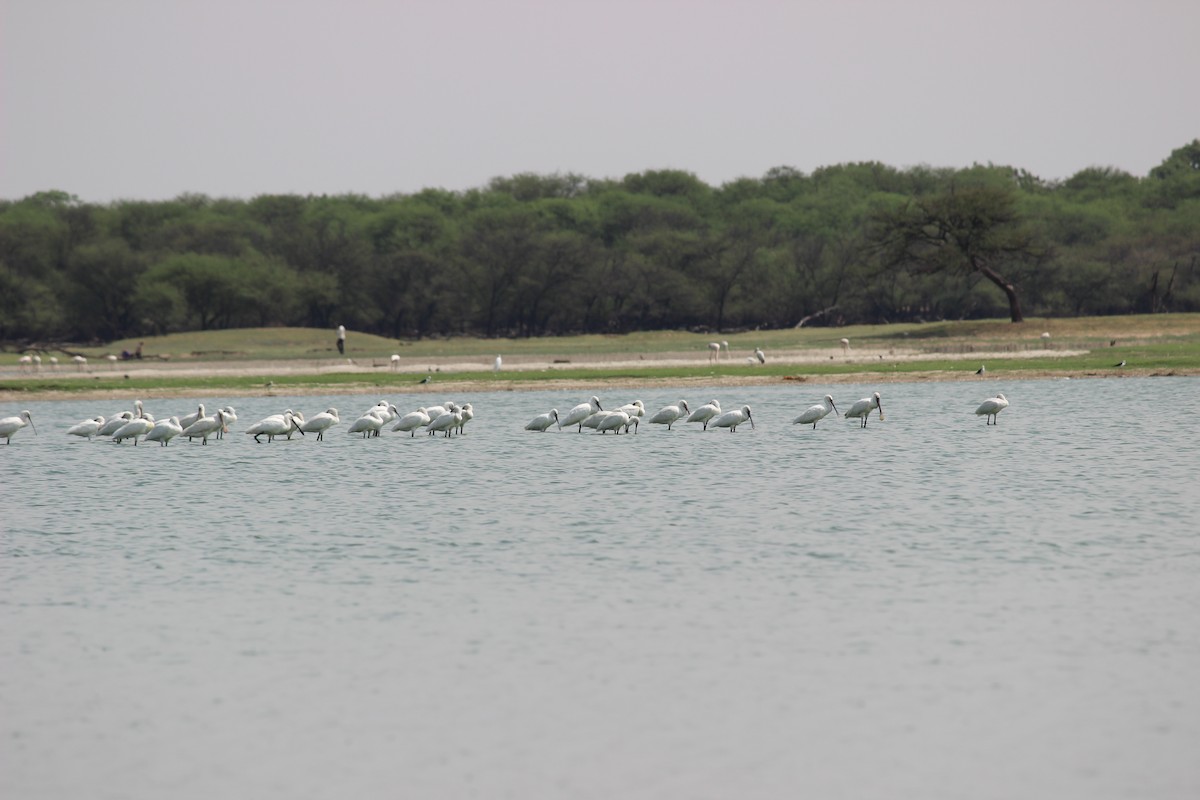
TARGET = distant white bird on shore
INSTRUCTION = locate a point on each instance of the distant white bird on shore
(758, 353)
(497, 364)
(394, 362)
(845, 344)
(982, 369)
(862, 409)
(816, 413)
(714, 351)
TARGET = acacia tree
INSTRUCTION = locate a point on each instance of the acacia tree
(973, 229)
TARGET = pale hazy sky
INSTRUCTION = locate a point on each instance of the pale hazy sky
(148, 99)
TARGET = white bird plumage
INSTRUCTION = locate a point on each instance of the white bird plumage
(731, 419)
(411, 421)
(669, 415)
(272, 426)
(862, 408)
(10, 425)
(542, 421)
(815, 413)
(205, 426)
(134, 428)
(87, 428)
(164, 431)
(319, 423)
(992, 408)
(579, 413)
(705, 413)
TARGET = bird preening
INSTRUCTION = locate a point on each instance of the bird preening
(992, 407)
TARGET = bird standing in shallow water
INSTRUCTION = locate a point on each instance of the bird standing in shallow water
(816, 413)
(862, 409)
(10, 425)
(992, 408)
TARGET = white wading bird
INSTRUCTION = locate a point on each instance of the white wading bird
(862, 408)
(992, 408)
(814, 414)
(188, 419)
(714, 351)
(579, 413)
(230, 418)
(10, 425)
(164, 431)
(446, 422)
(87, 428)
(467, 412)
(617, 420)
(275, 425)
(205, 427)
(634, 409)
(542, 421)
(669, 415)
(111, 425)
(411, 421)
(731, 419)
(134, 428)
(321, 423)
(758, 353)
(705, 413)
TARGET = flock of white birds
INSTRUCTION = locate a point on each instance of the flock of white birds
(447, 419)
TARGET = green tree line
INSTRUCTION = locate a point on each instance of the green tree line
(532, 255)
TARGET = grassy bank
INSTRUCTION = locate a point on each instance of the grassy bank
(290, 359)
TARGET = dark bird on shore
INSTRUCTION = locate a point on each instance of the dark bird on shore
(426, 379)
(982, 369)
(1121, 364)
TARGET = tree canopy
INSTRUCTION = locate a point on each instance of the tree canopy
(530, 255)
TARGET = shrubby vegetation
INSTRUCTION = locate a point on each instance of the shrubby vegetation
(532, 255)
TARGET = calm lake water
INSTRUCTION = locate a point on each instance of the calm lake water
(927, 608)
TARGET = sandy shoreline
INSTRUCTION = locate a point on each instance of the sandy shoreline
(419, 368)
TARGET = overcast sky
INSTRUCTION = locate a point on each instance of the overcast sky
(148, 99)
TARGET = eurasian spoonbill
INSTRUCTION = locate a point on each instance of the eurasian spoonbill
(816, 413)
(319, 423)
(579, 413)
(411, 421)
(862, 408)
(87, 428)
(992, 408)
(272, 426)
(705, 413)
(542, 421)
(10, 425)
(164, 431)
(731, 419)
(134, 428)
(669, 415)
(205, 427)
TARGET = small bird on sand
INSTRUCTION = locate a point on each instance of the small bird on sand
(982, 369)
